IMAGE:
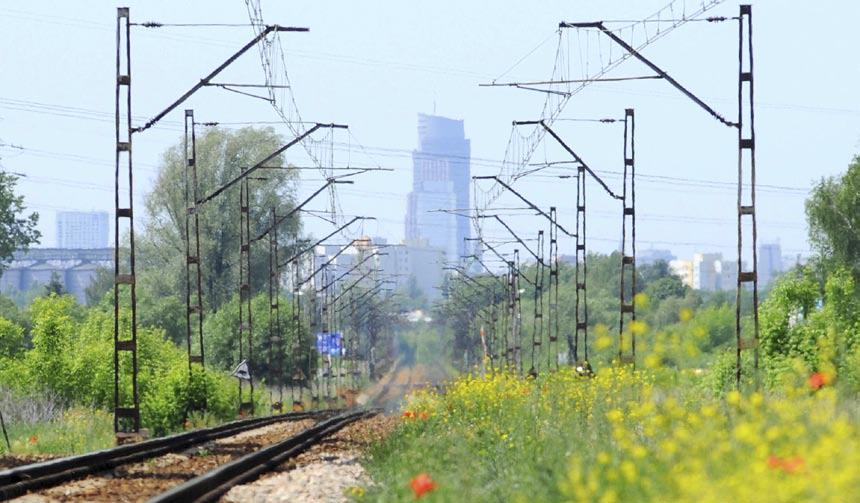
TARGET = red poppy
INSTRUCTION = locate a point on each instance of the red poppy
(792, 465)
(421, 483)
(408, 414)
(34, 439)
(788, 465)
(424, 415)
(818, 380)
(773, 461)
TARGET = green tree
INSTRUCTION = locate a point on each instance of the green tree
(790, 303)
(17, 231)
(221, 156)
(665, 287)
(100, 284)
(833, 215)
(54, 327)
(11, 338)
(222, 339)
(55, 285)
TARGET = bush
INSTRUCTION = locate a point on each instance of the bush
(72, 360)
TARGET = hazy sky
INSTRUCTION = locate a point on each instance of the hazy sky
(375, 65)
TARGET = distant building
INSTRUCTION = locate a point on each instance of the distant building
(82, 229)
(706, 271)
(769, 263)
(440, 181)
(397, 263)
(650, 256)
(415, 260)
(683, 269)
(74, 268)
(728, 275)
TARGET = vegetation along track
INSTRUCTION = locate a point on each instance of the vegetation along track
(389, 392)
(246, 434)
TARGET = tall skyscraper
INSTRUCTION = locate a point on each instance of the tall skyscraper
(769, 262)
(440, 180)
(82, 229)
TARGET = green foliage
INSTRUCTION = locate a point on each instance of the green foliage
(793, 327)
(222, 345)
(9, 310)
(621, 436)
(17, 231)
(76, 431)
(175, 398)
(72, 357)
(11, 338)
(717, 324)
(53, 330)
(100, 284)
(468, 307)
(221, 154)
(833, 215)
(55, 285)
(665, 287)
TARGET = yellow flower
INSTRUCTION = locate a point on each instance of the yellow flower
(603, 342)
(628, 469)
(733, 397)
(686, 314)
(640, 300)
(652, 361)
(638, 327)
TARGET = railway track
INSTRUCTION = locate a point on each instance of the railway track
(214, 484)
(41, 476)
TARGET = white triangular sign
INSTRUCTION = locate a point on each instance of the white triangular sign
(242, 371)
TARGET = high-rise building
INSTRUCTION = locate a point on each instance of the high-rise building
(769, 262)
(440, 181)
(706, 271)
(82, 229)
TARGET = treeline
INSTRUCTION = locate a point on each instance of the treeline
(53, 346)
(809, 317)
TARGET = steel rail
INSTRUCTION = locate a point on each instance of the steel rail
(212, 485)
(20, 480)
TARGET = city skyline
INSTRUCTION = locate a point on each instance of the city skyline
(686, 194)
(438, 206)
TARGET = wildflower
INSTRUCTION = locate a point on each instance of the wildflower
(33, 439)
(818, 380)
(652, 361)
(733, 397)
(628, 469)
(788, 465)
(615, 415)
(638, 327)
(792, 465)
(424, 415)
(603, 342)
(773, 461)
(686, 314)
(421, 483)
